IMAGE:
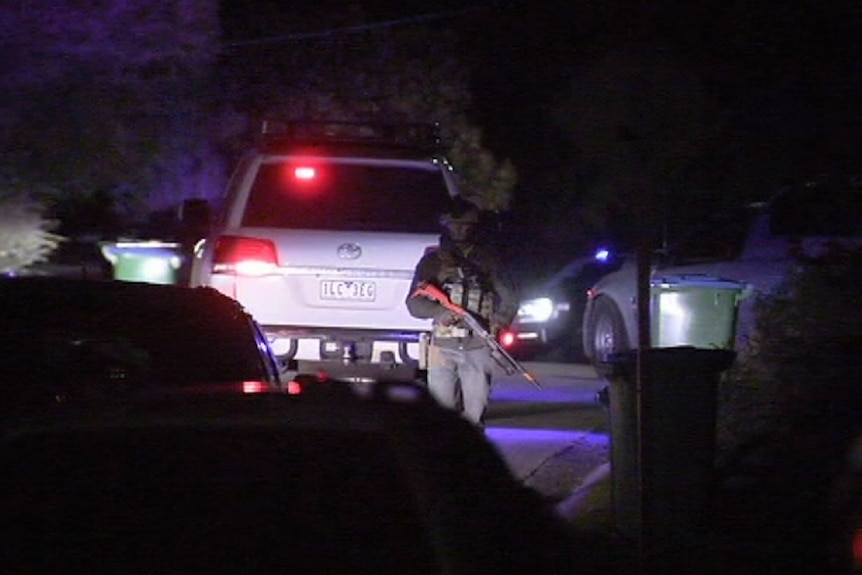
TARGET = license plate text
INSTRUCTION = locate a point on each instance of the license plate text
(347, 290)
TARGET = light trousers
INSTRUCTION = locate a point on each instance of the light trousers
(461, 380)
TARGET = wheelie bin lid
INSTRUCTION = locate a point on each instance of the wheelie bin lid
(112, 251)
(696, 281)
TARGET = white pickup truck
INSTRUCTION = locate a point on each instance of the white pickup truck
(754, 246)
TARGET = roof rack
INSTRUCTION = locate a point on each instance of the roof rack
(418, 136)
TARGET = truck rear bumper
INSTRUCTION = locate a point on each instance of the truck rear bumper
(346, 352)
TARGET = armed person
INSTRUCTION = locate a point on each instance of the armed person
(470, 273)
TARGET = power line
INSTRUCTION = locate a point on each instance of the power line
(422, 18)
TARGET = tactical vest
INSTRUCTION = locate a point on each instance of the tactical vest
(468, 288)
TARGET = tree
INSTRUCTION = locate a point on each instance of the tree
(26, 235)
(640, 121)
(110, 98)
(411, 73)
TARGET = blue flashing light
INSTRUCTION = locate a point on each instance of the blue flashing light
(602, 255)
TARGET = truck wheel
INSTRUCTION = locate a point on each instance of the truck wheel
(606, 332)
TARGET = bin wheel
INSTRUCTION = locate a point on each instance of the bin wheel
(606, 332)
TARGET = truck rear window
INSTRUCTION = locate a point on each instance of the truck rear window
(346, 197)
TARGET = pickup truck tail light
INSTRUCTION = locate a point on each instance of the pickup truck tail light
(244, 256)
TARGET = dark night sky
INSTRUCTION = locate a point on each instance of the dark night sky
(780, 65)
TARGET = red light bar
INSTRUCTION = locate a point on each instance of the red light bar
(294, 387)
(254, 387)
(304, 173)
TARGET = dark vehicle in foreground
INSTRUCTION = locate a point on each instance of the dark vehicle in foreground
(64, 337)
(549, 320)
(332, 477)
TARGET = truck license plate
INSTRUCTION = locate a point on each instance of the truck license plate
(347, 290)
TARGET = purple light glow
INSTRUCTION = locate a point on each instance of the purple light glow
(509, 435)
(526, 393)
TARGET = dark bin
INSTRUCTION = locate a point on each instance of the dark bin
(663, 439)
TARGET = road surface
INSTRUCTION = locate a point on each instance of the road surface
(551, 438)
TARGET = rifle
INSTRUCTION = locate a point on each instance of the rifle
(509, 364)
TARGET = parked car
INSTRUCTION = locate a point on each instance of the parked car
(550, 316)
(328, 479)
(62, 339)
(318, 235)
(755, 245)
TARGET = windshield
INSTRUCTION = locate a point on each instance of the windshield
(325, 195)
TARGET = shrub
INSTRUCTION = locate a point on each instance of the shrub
(800, 375)
(25, 234)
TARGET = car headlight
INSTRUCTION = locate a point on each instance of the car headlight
(536, 310)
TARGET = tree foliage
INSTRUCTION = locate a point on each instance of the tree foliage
(109, 97)
(26, 235)
(120, 100)
(799, 375)
(412, 74)
(640, 120)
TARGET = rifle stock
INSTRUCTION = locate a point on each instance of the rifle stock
(509, 364)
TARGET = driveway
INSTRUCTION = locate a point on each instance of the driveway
(553, 438)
